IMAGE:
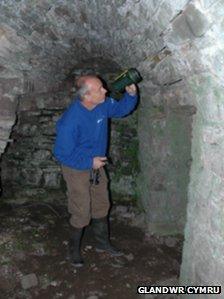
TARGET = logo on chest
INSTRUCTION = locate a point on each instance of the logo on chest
(99, 120)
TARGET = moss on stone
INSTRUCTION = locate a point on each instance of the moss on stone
(124, 154)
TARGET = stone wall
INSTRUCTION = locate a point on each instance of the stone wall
(204, 239)
(196, 36)
(28, 167)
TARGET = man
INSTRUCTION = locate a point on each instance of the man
(81, 145)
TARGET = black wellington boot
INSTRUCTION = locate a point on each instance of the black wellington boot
(101, 232)
(74, 247)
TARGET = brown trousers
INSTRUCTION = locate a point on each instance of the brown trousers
(85, 201)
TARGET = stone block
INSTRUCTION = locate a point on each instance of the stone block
(29, 129)
(44, 143)
(32, 177)
(168, 71)
(41, 155)
(52, 178)
(180, 32)
(123, 186)
(48, 129)
(166, 11)
(29, 281)
(197, 21)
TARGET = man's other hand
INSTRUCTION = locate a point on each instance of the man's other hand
(99, 162)
(131, 89)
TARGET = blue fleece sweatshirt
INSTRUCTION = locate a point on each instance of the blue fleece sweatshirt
(82, 134)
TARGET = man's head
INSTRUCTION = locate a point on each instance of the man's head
(91, 90)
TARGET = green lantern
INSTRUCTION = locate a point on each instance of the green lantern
(128, 77)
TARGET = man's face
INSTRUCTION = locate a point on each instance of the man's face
(97, 92)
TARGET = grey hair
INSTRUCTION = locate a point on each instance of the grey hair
(82, 90)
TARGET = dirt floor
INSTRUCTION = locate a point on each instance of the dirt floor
(34, 258)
